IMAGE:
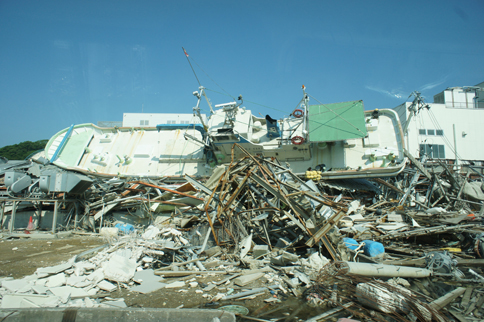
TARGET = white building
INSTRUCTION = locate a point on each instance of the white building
(452, 125)
(153, 119)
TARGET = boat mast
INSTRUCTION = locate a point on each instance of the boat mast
(305, 112)
(196, 109)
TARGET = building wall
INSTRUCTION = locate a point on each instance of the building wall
(153, 119)
(457, 97)
(469, 131)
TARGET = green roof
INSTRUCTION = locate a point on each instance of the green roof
(336, 122)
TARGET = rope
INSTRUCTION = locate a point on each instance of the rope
(357, 250)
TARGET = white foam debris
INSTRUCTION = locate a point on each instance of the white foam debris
(119, 268)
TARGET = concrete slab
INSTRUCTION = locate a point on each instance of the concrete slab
(106, 286)
(63, 292)
(40, 289)
(259, 250)
(88, 302)
(96, 276)
(45, 271)
(246, 279)
(18, 300)
(16, 285)
(56, 280)
(74, 280)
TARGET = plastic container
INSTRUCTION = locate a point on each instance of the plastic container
(373, 248)
(125, 228)
(351, 243)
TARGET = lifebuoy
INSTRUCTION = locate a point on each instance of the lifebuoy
(297, 140)
(298, 113)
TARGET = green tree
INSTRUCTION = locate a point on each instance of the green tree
(22, 150)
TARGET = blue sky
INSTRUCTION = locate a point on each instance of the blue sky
(70, 62)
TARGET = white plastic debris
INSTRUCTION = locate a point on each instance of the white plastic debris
(119, 268)
(151, 232)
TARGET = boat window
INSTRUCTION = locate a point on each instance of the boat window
(430, 132)
(422, 132)
(225, 131)
(440, 132)
(225, 138)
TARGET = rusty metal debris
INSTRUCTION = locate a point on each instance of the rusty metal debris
(409, 247)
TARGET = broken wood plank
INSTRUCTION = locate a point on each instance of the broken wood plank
(185, 273)
(417, 163)
(166, 189)
(330, 223)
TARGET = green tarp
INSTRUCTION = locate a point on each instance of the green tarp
(336, 122)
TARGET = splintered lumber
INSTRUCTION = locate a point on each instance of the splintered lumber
(389, 185)
(470, 262)
(242, 294)
(166, 189)
(332, 221)
(294, 206)
(246, 279)
(179, 264)
(424, 231)
(467, 296)
(447, 298)
(417, 164)
(330, 312)
(185, 273)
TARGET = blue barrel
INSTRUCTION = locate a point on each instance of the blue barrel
(351, 243)
(373, 248)
(125, 228)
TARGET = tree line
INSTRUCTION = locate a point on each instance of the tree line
(22, 150)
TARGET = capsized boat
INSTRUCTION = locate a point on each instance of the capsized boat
(339, 140)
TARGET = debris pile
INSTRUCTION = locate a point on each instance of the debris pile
(405, 248)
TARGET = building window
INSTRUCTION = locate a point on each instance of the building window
(434, 151)
(144, 122)
(422, 132)
(439, 132)
(430, 132)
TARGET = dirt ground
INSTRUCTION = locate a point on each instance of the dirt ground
(21, 257)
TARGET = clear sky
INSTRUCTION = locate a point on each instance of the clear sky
(66, 62)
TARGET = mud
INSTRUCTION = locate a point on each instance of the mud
(21, 257)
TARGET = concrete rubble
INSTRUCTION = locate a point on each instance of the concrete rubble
(405, 248)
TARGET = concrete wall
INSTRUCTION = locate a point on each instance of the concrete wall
(457, 97)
